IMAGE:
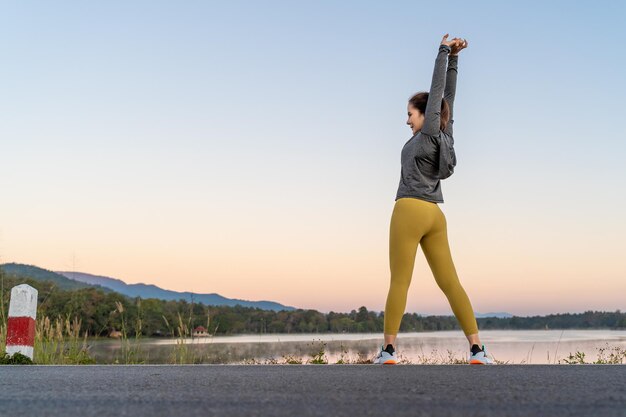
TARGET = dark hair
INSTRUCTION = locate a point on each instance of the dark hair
(419, 101)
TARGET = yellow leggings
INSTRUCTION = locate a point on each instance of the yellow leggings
(416, 221)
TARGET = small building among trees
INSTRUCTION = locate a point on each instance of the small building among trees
(200, 331)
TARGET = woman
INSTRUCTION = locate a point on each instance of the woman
(427, 158)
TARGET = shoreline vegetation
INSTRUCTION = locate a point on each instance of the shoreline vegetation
(68, 320)
(60, 344)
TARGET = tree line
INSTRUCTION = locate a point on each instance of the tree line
(101, 312)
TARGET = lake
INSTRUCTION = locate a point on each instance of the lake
(508, 346)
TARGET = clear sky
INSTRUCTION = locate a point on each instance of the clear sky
(253, 148)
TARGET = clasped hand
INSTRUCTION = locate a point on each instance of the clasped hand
(456, 44)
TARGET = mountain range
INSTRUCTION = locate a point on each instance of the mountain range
(152, 291)
(76, 280)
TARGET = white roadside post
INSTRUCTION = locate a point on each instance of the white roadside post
(21, 322)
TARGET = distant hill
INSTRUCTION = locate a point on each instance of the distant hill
(41, 274)
(152, 291)
(499, 315)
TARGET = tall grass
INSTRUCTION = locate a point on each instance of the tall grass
(3, 336)
(3, 319)
(59, 342)
(185, 352)
(130, 349)
(606, 356)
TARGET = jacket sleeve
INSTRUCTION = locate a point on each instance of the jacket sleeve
(432, 117)
(450, 90)
(447, 156)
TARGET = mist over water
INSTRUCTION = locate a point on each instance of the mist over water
(509, 346)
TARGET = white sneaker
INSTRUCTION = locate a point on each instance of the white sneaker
(385, 358)
(480, 358)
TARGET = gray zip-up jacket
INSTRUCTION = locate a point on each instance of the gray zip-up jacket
(428, 157)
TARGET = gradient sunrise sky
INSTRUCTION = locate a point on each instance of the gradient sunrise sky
(253, 148)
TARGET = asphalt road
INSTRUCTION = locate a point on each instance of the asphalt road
(314, 390)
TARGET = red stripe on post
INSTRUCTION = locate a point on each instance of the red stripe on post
(20, 331)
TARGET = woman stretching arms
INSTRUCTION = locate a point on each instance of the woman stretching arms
(427, 158)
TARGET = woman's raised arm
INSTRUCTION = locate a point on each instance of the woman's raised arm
(450, 90)
(432, 116)
(451, 73)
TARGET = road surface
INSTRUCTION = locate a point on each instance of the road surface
(313, 390)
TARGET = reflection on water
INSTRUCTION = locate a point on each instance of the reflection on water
(511, 346)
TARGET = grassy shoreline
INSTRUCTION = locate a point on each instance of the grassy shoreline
(58, 342)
